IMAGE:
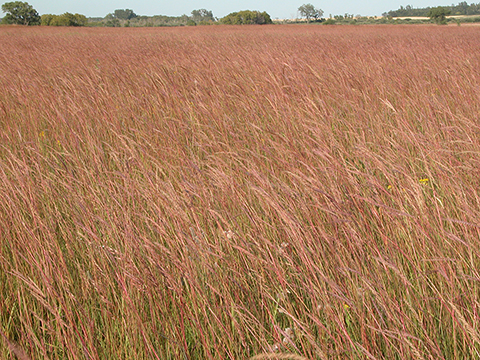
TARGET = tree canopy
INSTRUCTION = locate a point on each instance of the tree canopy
(462, 8)
(309, 11)
(201, 15)
(246, 17)
(66, 19)
(124, 14)
(20, 13)
(439, 14)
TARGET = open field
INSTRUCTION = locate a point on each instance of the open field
(227, 192)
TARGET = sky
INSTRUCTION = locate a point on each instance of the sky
(283, 9)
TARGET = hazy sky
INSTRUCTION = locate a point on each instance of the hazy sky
(276, 9)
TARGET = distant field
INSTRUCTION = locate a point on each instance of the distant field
(225, 192)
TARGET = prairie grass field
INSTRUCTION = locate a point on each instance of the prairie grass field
(224, 192)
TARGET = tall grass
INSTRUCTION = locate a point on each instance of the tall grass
(230, 192)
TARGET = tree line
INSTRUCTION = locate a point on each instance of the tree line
(462, 8)
(128, 17)
(22, 13)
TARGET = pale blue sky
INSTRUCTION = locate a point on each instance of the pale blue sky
(276, 9)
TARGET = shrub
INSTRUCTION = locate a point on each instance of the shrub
(66, 19)
(246, 17)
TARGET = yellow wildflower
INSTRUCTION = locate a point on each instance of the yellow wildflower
(424, 181)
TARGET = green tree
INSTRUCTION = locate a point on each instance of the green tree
(122, 14)
(309, 11)
(46, 19)
(202, 15)
(66, 19)
(75, 19)
(439, 14)
(21, 13)
(247, 17)
(113, 23)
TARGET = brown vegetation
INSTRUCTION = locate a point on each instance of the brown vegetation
(224, 192)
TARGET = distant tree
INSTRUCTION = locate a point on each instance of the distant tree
(461, 8)
(21, 13)
(46, 19)
(202, 15)
(76, 19)
(246, 17)
(439, 14)
(309, 11)
(124, 14)
(113, 23)
(66, 19)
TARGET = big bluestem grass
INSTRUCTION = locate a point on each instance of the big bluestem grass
(192, 193)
